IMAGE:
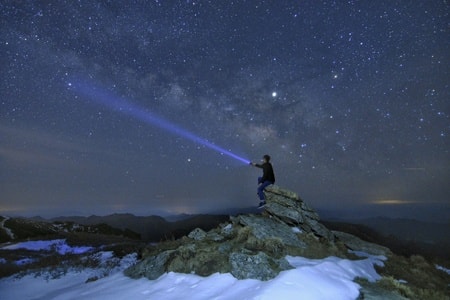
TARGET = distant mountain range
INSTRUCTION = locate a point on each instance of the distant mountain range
(406, 229)
(410, 230)
(150, 228)
(404, 236)
(155, 228)
(23, 229)
(227, 212)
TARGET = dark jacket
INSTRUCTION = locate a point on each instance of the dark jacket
(268, 174)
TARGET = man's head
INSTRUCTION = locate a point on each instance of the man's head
(266, 158)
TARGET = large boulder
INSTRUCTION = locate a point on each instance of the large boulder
(151, 267)
(257, 266)
(197, 234)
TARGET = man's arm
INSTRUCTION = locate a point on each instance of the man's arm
(256, 165)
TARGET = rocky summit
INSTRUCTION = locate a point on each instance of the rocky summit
(290, 209)
(249, 246)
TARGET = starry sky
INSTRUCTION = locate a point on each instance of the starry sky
(350, 98)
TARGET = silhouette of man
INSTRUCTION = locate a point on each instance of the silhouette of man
(266, 179)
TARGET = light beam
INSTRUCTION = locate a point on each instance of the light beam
(119, 104)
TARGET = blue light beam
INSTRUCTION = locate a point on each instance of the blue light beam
(116, 103)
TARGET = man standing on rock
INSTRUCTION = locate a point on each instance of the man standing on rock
(267, 179)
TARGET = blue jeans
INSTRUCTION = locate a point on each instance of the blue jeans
(261, 188)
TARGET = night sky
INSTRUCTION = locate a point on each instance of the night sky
(350, 98)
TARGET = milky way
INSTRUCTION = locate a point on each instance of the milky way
(350, 98)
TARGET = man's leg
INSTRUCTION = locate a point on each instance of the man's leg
(261, 189)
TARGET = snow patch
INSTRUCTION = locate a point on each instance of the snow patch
(296, 230)
(228, 227)
(59, 246)
(443, 269)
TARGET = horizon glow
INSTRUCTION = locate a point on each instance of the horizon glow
(393, 202)
(119, 104)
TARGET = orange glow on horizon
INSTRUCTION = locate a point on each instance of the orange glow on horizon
(6, 208)
(392, 202)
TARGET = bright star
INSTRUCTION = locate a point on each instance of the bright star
(274, 94)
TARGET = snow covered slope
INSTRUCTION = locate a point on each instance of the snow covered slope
(329, 278)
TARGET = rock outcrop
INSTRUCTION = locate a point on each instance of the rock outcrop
(354, 243)
(290, 209)
(248, 246)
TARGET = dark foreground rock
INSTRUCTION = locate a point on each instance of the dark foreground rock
(354, 243)
(370, 291)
